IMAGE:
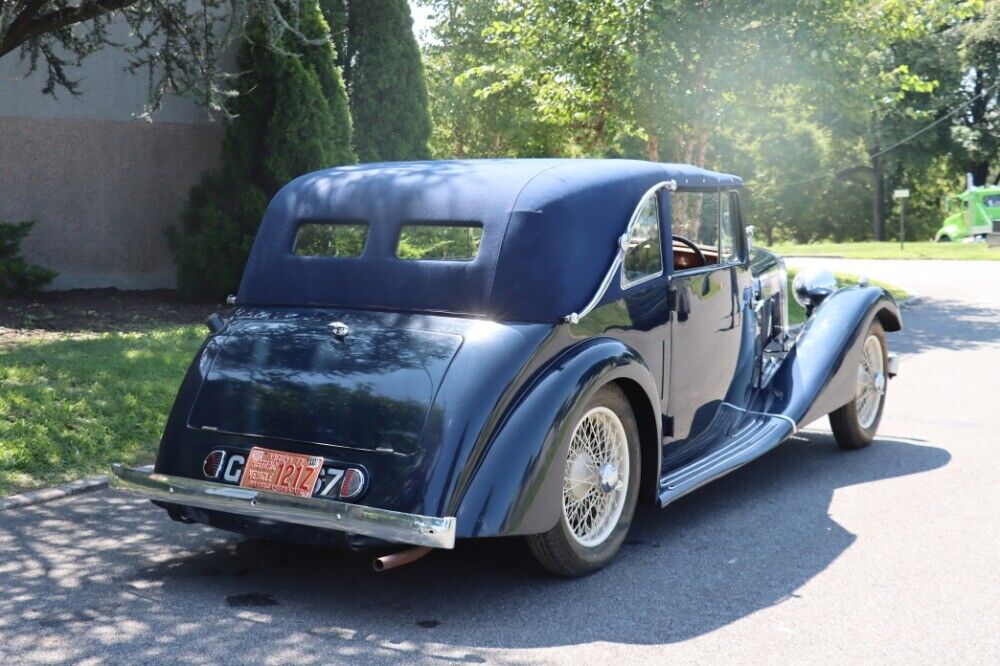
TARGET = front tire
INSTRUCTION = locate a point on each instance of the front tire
(854, 425)
(600, 488)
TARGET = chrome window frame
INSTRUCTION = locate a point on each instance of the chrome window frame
(624, 282)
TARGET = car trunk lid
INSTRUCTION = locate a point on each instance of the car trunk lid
(307, 378)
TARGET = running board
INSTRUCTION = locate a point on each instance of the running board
(753, 436)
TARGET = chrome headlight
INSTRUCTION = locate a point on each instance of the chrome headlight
(812, 285)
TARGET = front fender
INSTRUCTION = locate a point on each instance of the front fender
(953, 227)
(820, 373)
(517, 488)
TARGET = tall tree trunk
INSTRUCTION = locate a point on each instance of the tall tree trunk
(980, 173)
(652, 146)
(878, 184)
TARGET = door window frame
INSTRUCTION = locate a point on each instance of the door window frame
(735, 219)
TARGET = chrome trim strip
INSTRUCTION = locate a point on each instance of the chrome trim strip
(380, 449)
(575, 317)
(795, 428)
(707, 467)
(326, 514)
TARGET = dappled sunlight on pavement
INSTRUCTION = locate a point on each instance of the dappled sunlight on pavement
(101, 574)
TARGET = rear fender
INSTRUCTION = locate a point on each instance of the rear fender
(517, 488)
(820, 373)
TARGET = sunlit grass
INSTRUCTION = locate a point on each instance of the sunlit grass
(69, 408)
(797, 314)
(890, 250)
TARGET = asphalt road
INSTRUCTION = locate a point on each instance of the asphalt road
(810, 554)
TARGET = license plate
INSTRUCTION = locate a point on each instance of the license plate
(281, 472)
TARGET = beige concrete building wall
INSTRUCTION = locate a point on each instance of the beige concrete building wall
(103, 185)
(103, 194)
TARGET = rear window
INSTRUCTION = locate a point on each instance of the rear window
(315, 239)
(455, 242)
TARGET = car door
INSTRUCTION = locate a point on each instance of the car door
(705, 331)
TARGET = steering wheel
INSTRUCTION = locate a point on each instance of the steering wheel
(695, 248)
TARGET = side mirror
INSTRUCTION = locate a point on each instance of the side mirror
(749, 232)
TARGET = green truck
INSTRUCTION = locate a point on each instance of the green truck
(970, 214)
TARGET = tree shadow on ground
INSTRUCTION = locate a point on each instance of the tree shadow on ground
(936, 323)
(102, 573)
(57, 315)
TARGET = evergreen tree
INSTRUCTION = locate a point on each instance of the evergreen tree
(323, 61)
(386, 82)
(335, 13)
(291, 117)
(300, 136)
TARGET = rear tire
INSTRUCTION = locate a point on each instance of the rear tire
(854, 425)
(600, 488)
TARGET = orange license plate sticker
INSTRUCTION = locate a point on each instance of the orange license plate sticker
(281, 472)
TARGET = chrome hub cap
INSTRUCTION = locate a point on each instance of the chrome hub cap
(596, 479)
(608, 475)
(871, 382)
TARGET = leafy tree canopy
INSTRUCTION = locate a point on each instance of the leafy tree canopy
(824, 107)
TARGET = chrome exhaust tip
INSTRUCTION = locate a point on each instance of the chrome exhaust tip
(394, 560)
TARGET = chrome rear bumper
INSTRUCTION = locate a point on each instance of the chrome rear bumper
(327, 514)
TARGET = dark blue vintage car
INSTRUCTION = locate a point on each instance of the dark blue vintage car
(430, 351)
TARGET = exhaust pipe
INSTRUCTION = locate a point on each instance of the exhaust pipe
(394, 560)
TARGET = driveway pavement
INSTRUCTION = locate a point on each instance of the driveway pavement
(810, 554)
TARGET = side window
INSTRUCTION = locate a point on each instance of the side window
(727, 232)
(695, 216)
(643, 258)
(992, 201)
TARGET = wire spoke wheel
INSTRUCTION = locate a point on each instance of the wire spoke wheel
(871, 382)
(854, 424)
(597, 477)
(600, 478)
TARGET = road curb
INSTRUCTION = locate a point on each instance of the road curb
(910, 302)
(80, 486)
(55, 492)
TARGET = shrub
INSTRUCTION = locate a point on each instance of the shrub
(17, 276)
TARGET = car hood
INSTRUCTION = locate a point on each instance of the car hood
(292, 378)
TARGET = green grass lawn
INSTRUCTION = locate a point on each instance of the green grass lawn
(873, 250)
(797, 314)
(69, 408)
